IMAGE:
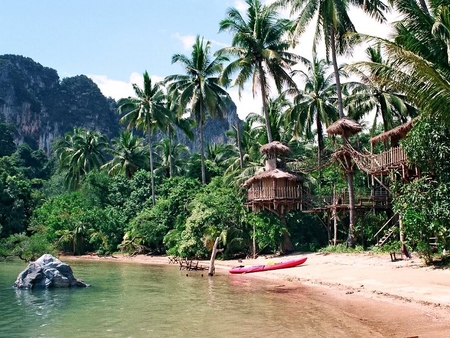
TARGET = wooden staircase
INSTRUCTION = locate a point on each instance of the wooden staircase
(387, 234)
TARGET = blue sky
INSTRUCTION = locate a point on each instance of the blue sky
(115, 41)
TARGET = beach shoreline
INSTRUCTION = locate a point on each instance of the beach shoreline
(402, 297)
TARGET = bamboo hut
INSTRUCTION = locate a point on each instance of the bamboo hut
(274, 189)
(393, 157)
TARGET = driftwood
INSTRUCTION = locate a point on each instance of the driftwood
(212, 269)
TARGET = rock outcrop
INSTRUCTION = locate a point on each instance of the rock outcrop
(43, 107)
(47, 272)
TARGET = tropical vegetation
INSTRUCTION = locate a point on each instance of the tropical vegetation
(145, 191)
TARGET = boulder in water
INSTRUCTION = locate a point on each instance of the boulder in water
(47, 272)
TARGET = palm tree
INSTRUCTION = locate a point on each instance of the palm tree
(128, 155)
(376, 93)
(260, 50)
(248, 160)
(78, 153)
(147, 112)
(220, 154)
(170, 156)
(235, 133)
(418, 57)
(279, 128)
(173, 124)
(314, 106)
(333, 25)
(199, 88)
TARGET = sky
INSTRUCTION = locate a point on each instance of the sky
(115, 41)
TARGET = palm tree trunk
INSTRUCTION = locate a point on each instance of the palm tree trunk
(170, 155)
(149, 135)
(202, 147)
(262, 81)
(336, 74)
(241, 156)
(320, 146)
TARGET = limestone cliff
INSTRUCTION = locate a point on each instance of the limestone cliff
(43, 107)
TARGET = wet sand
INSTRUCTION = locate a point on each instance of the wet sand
(394, 299)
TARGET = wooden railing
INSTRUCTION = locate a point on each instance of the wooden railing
(371, 163)
(274, 193)
(391, 158)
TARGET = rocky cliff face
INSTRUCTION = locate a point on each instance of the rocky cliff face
(42, 107)
(214, 130)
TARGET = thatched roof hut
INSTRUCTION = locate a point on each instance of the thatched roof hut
(274, 190)
(345, 127)
(273, 175)
(275, 147)
(394, 134)
(272, 150)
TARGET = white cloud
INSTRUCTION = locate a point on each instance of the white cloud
(247, 103)
(240, 5)
(118, 89)
(187, 40)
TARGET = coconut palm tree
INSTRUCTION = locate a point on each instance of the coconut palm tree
(173, 124)
(333, 25)
(78, 153)
(418, 57)
(169, 157)
(280, 129)
(314, 106)
(199, 88)
(375, 93)
(129, 155)
(260, 50)
(248, 160)
(147, 112)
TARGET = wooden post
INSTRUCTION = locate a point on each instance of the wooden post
(213, 257)
(402, 237)
(334, 217)
(335, 226)
(254, 241)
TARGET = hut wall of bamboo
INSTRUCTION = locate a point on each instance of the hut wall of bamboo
(270, 189)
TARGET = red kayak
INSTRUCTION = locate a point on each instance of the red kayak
(276, 266)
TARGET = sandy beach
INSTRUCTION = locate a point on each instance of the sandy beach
(395, 299)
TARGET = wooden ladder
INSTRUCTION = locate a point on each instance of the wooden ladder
(386, 236)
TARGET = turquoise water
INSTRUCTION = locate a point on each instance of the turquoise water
(133, 300)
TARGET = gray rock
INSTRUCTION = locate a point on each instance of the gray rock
(47, 272)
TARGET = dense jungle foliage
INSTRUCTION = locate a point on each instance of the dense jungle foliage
(138, 193)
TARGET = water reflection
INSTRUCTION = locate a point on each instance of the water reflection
(43, 302)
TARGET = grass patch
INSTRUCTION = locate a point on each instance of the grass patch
(342, 248)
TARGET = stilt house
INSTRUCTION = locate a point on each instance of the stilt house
(274, 189)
